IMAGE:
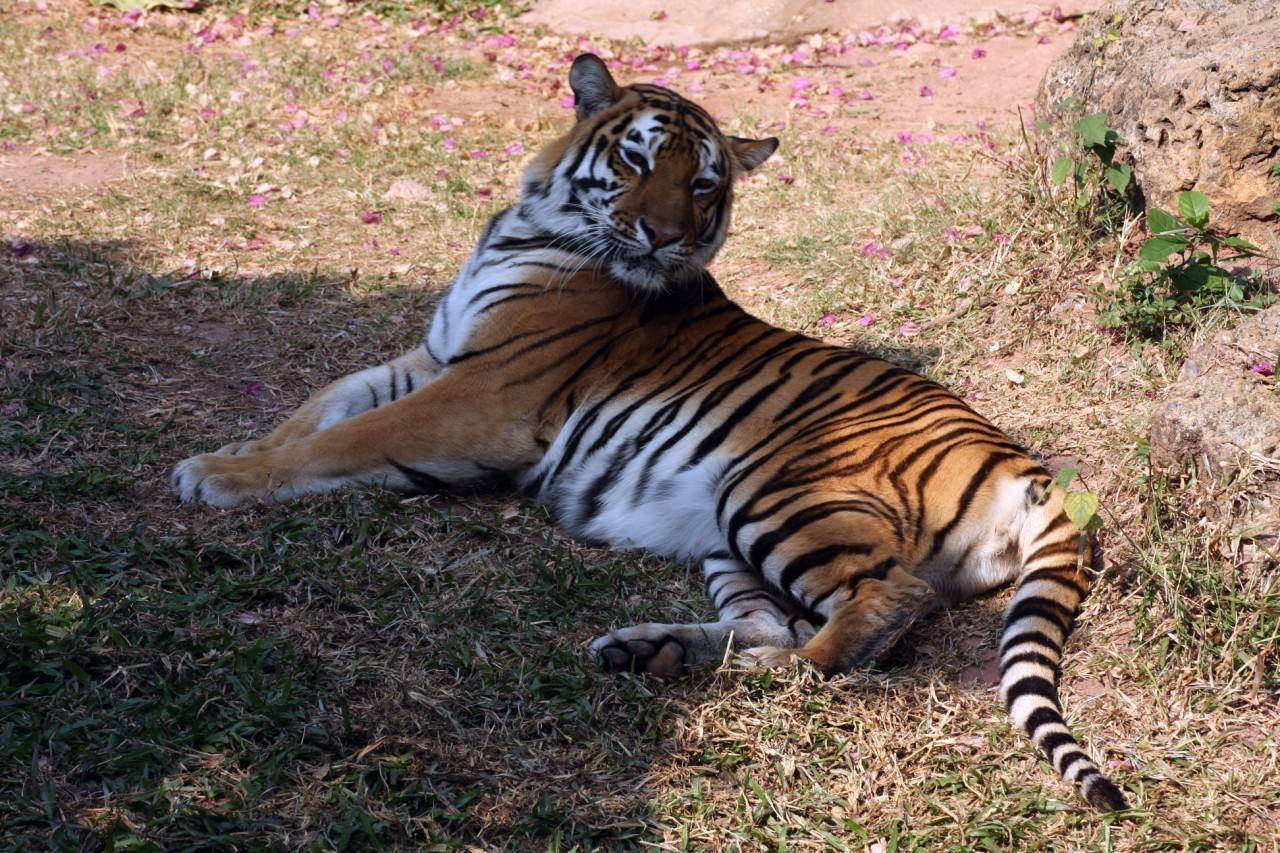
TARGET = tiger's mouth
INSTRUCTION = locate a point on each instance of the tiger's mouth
(651, 269)
(641, 269)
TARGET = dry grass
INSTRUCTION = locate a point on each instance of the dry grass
(364, 671)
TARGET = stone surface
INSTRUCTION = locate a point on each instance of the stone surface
(407, 189)
(1223, 418)
(1223, 415)
(1193, 87)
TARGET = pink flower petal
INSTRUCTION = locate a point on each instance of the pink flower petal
(977, 53)
(909, 329)
(514, 149)
(867, 319)
(947, 73)
(253, 389)
(257, 200)
(926, 92)
(1187, 26)
(1263, 368)
(372, 217)
(826, 319)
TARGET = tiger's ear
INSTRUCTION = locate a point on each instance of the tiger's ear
(750, 153)
(593, 86)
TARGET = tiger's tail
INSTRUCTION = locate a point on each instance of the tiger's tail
(1056, 558)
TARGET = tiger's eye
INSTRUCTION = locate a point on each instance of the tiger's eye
(635, 160)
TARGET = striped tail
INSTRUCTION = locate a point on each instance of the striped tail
(1053, 583)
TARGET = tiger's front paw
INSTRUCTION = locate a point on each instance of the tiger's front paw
(221, 481)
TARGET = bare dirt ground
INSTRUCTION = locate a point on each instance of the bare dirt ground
(299, 186)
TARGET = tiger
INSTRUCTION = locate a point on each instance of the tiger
(584, 354)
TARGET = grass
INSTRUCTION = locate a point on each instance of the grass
(362, 671)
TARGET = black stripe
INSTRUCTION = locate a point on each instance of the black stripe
(1055, 549)
(420, 480)
(1027, 637)
(1071, 759)
(1041, 717)
(1043, 608)
(1032, 685)
(1053, 740)
(1030, 657)
(1061, 575)
(797, 567)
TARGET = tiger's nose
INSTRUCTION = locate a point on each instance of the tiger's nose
(659, 234)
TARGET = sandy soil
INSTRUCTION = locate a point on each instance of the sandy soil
(34, 173)
(701, 22)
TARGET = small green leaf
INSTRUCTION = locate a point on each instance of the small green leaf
(1061, 168)
(1118, 177)
(1158, 221)
(1092, 129)
(1194, 207)
(1081, 508)
(1160, 248)
(1065, 476)
(1043, 125)
(1239, 243)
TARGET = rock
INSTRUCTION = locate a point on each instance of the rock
(407, 189)
(1193, 88)
(1223, 418)
(1222, 414)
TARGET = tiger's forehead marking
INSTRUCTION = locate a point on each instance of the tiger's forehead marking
(668, 123)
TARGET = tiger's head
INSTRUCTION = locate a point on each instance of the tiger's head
(643, 183)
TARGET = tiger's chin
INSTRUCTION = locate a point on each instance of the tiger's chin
(646, 273)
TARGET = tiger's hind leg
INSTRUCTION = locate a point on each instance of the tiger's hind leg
(877, 605)
(750, 613)
(344, 398)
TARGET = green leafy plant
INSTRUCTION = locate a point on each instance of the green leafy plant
(1097, 183)
(1180, 273)
(1095, 138)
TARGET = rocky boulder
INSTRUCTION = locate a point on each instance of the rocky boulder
(1193, 88)
(1223, 417)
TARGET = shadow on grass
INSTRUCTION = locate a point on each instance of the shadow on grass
(354, 670)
